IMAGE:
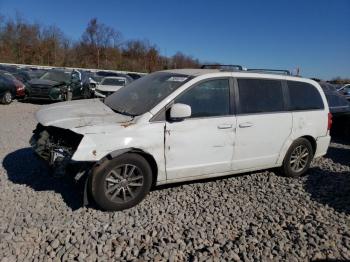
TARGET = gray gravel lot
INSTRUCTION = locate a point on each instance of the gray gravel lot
(259, 216)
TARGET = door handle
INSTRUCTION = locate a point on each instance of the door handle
(245, 125)
(224, 126)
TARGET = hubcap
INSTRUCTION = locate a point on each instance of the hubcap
(123, 183)
(299, 158)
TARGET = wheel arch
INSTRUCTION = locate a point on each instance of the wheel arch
(290, 141)
(312, 141)
(147, 156)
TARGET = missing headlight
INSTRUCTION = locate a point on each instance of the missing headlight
(55, 145)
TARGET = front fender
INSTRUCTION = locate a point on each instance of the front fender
(110, 141)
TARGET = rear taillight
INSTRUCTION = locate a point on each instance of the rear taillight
(330, 121)
(20, 87)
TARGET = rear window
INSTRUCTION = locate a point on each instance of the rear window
(304, 96)
(260, 96)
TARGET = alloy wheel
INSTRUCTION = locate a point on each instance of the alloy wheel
(123, 183)
(299, 158)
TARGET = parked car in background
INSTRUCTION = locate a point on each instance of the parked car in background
(98, 76)
(60, 85)
(19, 86)
(53, 85)
(25, 75)
(338, 105)
(182, 125)
(345, 91)
(109, 85)
(9, 68)
(134, 76)
(7, 90)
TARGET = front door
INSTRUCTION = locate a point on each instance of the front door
(202, 144)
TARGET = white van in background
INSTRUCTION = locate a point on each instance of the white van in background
(109, 85)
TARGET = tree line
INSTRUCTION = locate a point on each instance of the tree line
(100, 46)
(340, 81)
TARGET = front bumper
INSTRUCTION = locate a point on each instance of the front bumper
(49, 153)
(102, 94)
(53, 94)
(55, 146)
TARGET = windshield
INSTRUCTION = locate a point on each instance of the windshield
(96, 78)
(58, 76)
(113, 82)
(143, 94)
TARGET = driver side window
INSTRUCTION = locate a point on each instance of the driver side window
(208, 99)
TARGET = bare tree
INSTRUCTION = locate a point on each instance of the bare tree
(100, 46)
(179, 60)
(98, 37)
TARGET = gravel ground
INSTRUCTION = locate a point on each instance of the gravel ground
(258, 216)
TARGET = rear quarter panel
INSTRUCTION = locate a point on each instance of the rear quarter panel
(312, 123)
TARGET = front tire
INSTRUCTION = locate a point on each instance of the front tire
(121, 183)
(86, 93)
(68, 96)
(298, 158)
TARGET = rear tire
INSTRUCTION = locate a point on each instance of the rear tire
(121, 183)
(298, 158)
(6, 98)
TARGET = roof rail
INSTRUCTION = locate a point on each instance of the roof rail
(271, 71)
(240, 68)
(223, 67)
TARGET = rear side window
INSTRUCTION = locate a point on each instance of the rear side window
(260, 96)
(304, 96)
(207, 99)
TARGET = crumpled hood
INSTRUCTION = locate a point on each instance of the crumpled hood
(79, 114)
(43, 82)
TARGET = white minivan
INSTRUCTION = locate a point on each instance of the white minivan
(182, 125)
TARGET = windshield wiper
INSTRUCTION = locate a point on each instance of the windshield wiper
(123, 112)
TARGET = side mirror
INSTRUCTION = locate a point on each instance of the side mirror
(180, 111)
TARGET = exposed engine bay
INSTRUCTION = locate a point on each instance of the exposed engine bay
(56, 146)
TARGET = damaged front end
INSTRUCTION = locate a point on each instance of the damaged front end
(56, 146)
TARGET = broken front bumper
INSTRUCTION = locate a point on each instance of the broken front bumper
(52, 154)
(55, 146)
